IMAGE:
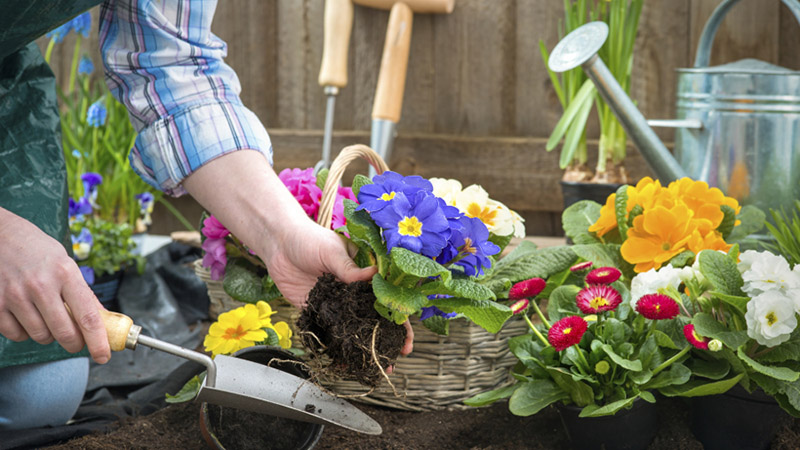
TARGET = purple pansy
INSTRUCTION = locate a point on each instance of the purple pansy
(80, 208)
(88, 274)
(374, 197)
(213, 229)
(416, 223)
(90, 182)
(82, 244)
(215, 258)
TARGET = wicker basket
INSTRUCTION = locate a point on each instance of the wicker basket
(442, 371)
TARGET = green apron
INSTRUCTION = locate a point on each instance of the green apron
(33, 182)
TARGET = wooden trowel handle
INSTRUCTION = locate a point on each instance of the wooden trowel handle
(392, 77)
(118, 326)
(336, 33)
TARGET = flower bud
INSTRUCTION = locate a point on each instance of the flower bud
(715, 345)
(519, 306)
(602, 367)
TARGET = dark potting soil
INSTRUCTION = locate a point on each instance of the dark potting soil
(240, 430)
(491, 428)
(339, 323)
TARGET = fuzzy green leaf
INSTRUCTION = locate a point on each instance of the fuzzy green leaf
(577, 219)
(738, 302)
(534, 396)
(188, 392)
(779, 373)
(787, 351)
(538, 263)
(602, 255)
(362, 228)
(562, 303)
(626, 363)
(489, 397)
(752, 219)
(437, 324)
(682, 259)
(418, 265)
(402, 302)
(242, 284)
(707, 326)
(458, 287)
(322, 177)
(621, 211)
(721, 271)
(500, 241)
(359, 181)
(487, 314)
(699, 388)
(728, 220)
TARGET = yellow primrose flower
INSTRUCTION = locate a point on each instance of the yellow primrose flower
(657, 235)
(264, 313)
(474, 202)
(282, 329)
(235, 330)
(608, 217)
(711, 240)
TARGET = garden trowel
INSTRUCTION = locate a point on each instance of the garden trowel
(242, 384)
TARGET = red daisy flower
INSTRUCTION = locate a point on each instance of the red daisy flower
(603, 275)
(598, 298)
(657, 307)
(580, 267)
(567, 332)
(519, 305)
(695, 339)
(526, 289)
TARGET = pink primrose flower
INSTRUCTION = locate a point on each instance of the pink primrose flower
(213, 229)
(338, 219)
(303, 186)
(215, 258)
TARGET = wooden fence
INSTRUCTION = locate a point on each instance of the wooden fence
(478, 104)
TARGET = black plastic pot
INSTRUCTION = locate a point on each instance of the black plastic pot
(736, 419)
(234, 429)
(629, 429)
(574, 191)
(106, 288)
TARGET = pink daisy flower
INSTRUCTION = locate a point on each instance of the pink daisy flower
(519, 305)
(566, 332)
(695, 339)
(526, 289)
(657, 307)
(603, 275)
(580, 267)
(598, 298)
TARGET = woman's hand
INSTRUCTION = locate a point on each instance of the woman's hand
(37, 279)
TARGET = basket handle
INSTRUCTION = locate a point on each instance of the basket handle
(345, 157)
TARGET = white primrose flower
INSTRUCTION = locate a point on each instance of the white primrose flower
(519, 226)
(474, 202)
(764, 271)
(770, 318)
(446, 189)
(651, 281)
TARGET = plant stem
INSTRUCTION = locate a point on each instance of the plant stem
(583, 360)
(535, 331)
(539, 313)
(668, 362)
(49, 50)
(74, 68)
(181, 218)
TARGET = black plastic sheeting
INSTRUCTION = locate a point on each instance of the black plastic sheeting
(165, 300)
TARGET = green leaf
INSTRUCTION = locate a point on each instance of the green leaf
(682, 259)
(602, 255)
(489, 397)
(437, 324)
(528, 264)
(272, 338)
(562, 303)
(752, 219)
(621, 211)
(580, 392)
(714, 369)
(361, 227)
(359, 181)
(322, 177)
(626, 363)
(663, 340)
(787, 351)
(779, 373)
(188, 392)
(500, 241)
(458, 287)
(242, 284)
(676, 375)
(571, 113)
(706, 325)
(487, 314)
(728, 220)
(576, 131)
(402, 302)
(577, 219)
(699, 388)
(722, 272)
(418, 265)
(606, 410)
(534, 396)
(736, 301)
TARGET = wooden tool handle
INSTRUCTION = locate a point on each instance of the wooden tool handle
(336, 34)
(117, 327)
(392, 76)
(418, 6)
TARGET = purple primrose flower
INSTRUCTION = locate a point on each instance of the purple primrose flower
(430, 311)
(416, 223)
(470, 247)
(374, 197)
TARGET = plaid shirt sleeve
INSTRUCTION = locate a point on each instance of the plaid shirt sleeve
(162, 61)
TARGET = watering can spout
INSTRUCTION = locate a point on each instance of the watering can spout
(579, 48)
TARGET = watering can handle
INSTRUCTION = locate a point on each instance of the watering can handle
(710, 30)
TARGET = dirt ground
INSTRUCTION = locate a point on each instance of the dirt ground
(492, 428)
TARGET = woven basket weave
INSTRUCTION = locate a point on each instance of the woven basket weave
(442, 371)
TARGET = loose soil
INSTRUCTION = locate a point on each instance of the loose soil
(491, 428)
(340, 325)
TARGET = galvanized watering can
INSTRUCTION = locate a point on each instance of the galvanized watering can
(738, 125)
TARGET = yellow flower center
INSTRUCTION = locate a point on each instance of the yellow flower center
(485, 214)
(567, 330)
(658, 307)
(388, 196)
(771, 318)
(410, 226)
(597, 302)
(234, 333)
(468, 246)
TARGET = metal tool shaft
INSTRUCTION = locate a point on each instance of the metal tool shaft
(331, 92)
(191, 355)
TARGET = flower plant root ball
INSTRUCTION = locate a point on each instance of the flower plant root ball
(340, 321)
